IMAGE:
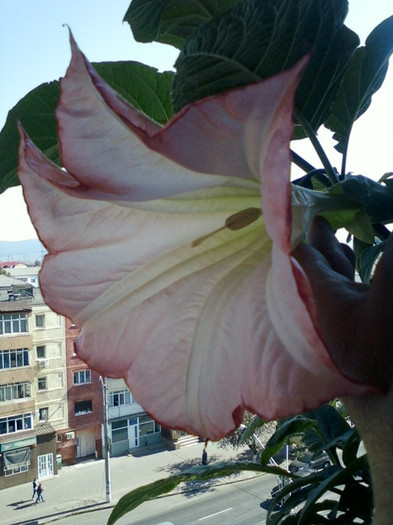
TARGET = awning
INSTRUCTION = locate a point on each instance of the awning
(16, 458)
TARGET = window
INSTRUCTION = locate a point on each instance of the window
(119, 431)
(148, 426)
(16, 461)
(120, 397)
(13, 324)
(83, 407)
(82, 376)
(41, 352)
(15, 391)
(14, 358)
(40, 321)
(43, 414)
(11, 424)
(42, 383)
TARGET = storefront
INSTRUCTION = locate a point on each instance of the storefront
(133, 432)
(30, 456)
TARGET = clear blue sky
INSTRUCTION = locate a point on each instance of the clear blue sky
(34, 49)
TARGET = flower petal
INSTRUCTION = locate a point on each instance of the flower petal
(107, 145)
(188, 311)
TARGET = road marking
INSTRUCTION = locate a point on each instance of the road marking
(215, 514)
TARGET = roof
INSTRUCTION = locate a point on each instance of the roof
(10, 264)
(6, 281)
(42, 430)
(27, 271)
(15, 306)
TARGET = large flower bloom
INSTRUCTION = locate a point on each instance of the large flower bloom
(158, 250)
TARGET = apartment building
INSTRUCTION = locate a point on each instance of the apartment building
(27, 443)
(85, 404)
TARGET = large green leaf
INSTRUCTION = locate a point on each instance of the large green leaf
(143, 86)
(363, 78)
(171, 21)
(36, 112)
(259, 38)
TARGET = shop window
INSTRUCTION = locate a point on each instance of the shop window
(16, 461)
(148, 426)
(119, 430)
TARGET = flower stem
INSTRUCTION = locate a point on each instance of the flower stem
(372, 414)
(330, 171)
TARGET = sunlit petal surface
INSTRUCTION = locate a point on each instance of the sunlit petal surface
(201, 320)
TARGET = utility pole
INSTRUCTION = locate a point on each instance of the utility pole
(108, 490)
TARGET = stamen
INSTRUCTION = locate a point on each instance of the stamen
(237, 221)
(243, 218)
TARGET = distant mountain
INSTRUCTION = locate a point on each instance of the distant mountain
(27, 251)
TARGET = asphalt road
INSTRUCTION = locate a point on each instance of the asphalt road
(235, 503)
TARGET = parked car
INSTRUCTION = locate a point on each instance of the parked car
(307, 461)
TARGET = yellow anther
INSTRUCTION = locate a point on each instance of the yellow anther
(237, 221)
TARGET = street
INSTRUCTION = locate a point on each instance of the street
(77, 493)
(234, 503)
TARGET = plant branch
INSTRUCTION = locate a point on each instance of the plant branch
(301, 163)
(330, 171)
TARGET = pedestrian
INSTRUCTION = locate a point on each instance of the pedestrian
(204, 457)
(40, 497)
(34, 488)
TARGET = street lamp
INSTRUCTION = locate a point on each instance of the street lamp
(106, 440)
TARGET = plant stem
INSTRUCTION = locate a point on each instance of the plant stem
(330, 171)
(301, 163)
(372, 414)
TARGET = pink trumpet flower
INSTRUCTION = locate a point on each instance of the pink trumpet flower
(170, 247)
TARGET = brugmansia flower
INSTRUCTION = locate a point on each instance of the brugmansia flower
(170, 248)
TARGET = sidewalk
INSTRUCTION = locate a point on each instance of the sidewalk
(81, 487)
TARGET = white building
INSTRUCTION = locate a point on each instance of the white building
(129, 425)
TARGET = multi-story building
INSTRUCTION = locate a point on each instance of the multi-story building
(27, 444)
(85, 406)
(129, 425)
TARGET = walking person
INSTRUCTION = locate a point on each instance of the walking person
(40, 497)
(35, 485)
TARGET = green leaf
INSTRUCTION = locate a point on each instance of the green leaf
(366, 258)
(363, 78)
(375, 198)
(143, 86)
(295, 425)
(260, 38)
(331, 425)
(36, 113)
(171, 21)
(251, 428)
(148, 492)
(337, 477)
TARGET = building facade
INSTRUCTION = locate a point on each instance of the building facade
(129, 425)
(85, 406)
(27, 444)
